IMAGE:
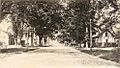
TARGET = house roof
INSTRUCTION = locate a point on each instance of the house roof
(110, 30)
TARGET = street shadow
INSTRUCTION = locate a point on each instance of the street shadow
(44, 46)
(16, 50)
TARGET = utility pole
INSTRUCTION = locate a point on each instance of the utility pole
(92, 9)
(90, 36)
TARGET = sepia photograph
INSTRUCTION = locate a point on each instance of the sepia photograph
(59, 33)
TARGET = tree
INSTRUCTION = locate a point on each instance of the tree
(10, 8)
(81, 20)
(72, 19)
(105, 15)
(41, 15)
(76, 19)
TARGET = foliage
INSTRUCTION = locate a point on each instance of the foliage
(45, 17)
(71, 21)
(106, 14)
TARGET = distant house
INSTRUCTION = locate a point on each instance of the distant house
(29, 37)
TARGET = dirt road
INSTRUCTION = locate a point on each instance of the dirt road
(55, 57)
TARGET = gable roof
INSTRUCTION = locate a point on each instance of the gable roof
(104, 31)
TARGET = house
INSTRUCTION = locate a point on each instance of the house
(25, 35)
(6, 31)
(107, 37)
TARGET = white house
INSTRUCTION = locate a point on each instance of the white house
(108, 36)
(6, 29)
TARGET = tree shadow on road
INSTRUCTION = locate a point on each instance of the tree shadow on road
(16, 50)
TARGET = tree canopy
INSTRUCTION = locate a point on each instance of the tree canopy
(71, 19)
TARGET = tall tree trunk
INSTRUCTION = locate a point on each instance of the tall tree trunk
(32, 39)
(45, 40)
(40, 38)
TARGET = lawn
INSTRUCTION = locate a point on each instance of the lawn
(113, 55)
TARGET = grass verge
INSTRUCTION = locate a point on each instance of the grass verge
(112, 55)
